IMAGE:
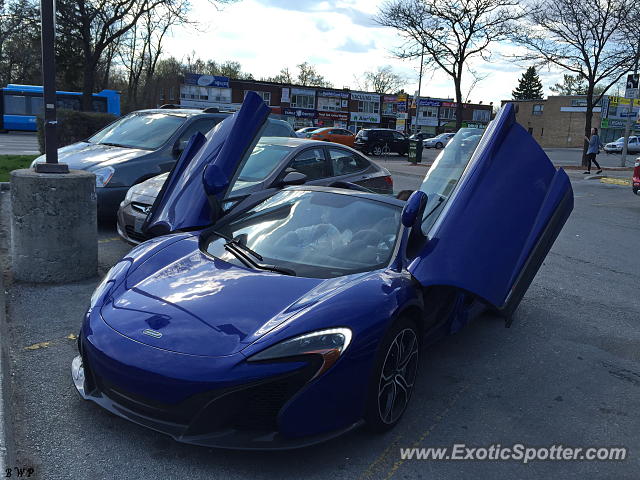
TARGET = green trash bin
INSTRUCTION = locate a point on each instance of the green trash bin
(415, 151)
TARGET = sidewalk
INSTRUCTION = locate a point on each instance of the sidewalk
(567, 158)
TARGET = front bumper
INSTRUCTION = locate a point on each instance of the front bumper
(222, 402)
(109, 199)
(130, 220)
(612, 149)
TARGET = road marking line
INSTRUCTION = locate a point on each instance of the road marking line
(107, 240)
(616, 181)
(39, 345)
(428, 431)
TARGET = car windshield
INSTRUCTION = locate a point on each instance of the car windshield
(262, 161)
(146, 130)
(620, 140)
(445, 172)
(315, 234)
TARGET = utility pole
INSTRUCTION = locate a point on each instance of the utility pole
(419, 86)
(627, 126)
(47, 17)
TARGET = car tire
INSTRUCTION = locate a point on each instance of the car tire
(394, 375)
(635, 190)
(439, 145)
(377, 150)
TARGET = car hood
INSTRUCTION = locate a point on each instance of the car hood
(150, 188)
(86, 156)
(185, 301)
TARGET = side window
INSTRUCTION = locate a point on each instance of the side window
(202, 125)
(277, 129)
(345, 162)
(15, 105)
(312, 163)
(345, 132)
(398, 136)
(335, 132)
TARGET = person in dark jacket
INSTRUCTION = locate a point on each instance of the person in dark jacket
(594, 148)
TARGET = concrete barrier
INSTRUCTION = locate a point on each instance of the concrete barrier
(54, 233)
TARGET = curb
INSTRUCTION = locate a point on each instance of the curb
(5, 384)
(6, 437)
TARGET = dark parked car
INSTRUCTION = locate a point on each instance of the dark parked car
(374, 140)
(273, 164)
(139, 146)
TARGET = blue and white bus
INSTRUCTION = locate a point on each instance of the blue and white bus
(21, 104)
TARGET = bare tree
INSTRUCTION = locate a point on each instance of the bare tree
(381, 80)
(450, 33)
(307, 76)
(584, 38)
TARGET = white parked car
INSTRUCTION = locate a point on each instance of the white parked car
(616, 147)
(302, 132)
(438, 142)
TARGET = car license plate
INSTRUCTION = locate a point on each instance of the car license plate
(138, 222)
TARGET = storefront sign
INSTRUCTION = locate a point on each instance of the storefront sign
(330, 94)
(401, 124)
(365, 97)
(303, 91)
(390, 99)
(300, 112)
(428, 102)
(365, 117)
(425, 121)
(206, 80)
(334, 116)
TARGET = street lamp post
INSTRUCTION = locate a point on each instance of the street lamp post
(47, 17)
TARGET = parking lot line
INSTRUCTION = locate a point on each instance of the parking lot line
(107, 240)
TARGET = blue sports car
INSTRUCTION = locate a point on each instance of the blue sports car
(297, 317)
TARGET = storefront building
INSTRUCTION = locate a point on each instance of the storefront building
(304, 106)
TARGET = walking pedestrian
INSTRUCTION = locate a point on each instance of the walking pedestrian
(594, 148)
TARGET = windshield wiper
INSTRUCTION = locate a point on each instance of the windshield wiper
(113, 144)
(240, 250)
(234, 241)
(249, 262)
(441, 198)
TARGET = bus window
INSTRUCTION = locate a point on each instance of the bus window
(37, 106)
(15, 105)
(68, 103)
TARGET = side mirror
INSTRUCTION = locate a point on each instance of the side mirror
(294, 178)
(413, 210)
(214, 180)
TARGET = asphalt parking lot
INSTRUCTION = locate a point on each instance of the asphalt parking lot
(567, 372)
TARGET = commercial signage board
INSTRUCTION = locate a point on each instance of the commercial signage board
(206, 80)
(332, 94)
(300, 112)
(361, 117)
(365, 97)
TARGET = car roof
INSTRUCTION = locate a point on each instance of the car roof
(183, 112)
(388, 199)
(294, 142)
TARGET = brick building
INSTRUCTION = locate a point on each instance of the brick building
(315, 106)
(558, 121)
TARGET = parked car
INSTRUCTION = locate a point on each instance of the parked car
(302, 132)
(439, 141)
(333, 134)
(139, 146)
(617, 146)
(636, 176)
(374, 140)
(301, 317)
(268, 168)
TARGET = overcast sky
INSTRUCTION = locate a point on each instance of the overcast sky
(338, 36)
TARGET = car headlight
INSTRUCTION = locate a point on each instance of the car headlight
(330, 344)
(129, 195)
(103, 176)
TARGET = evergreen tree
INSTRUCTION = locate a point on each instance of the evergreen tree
(529, 86)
